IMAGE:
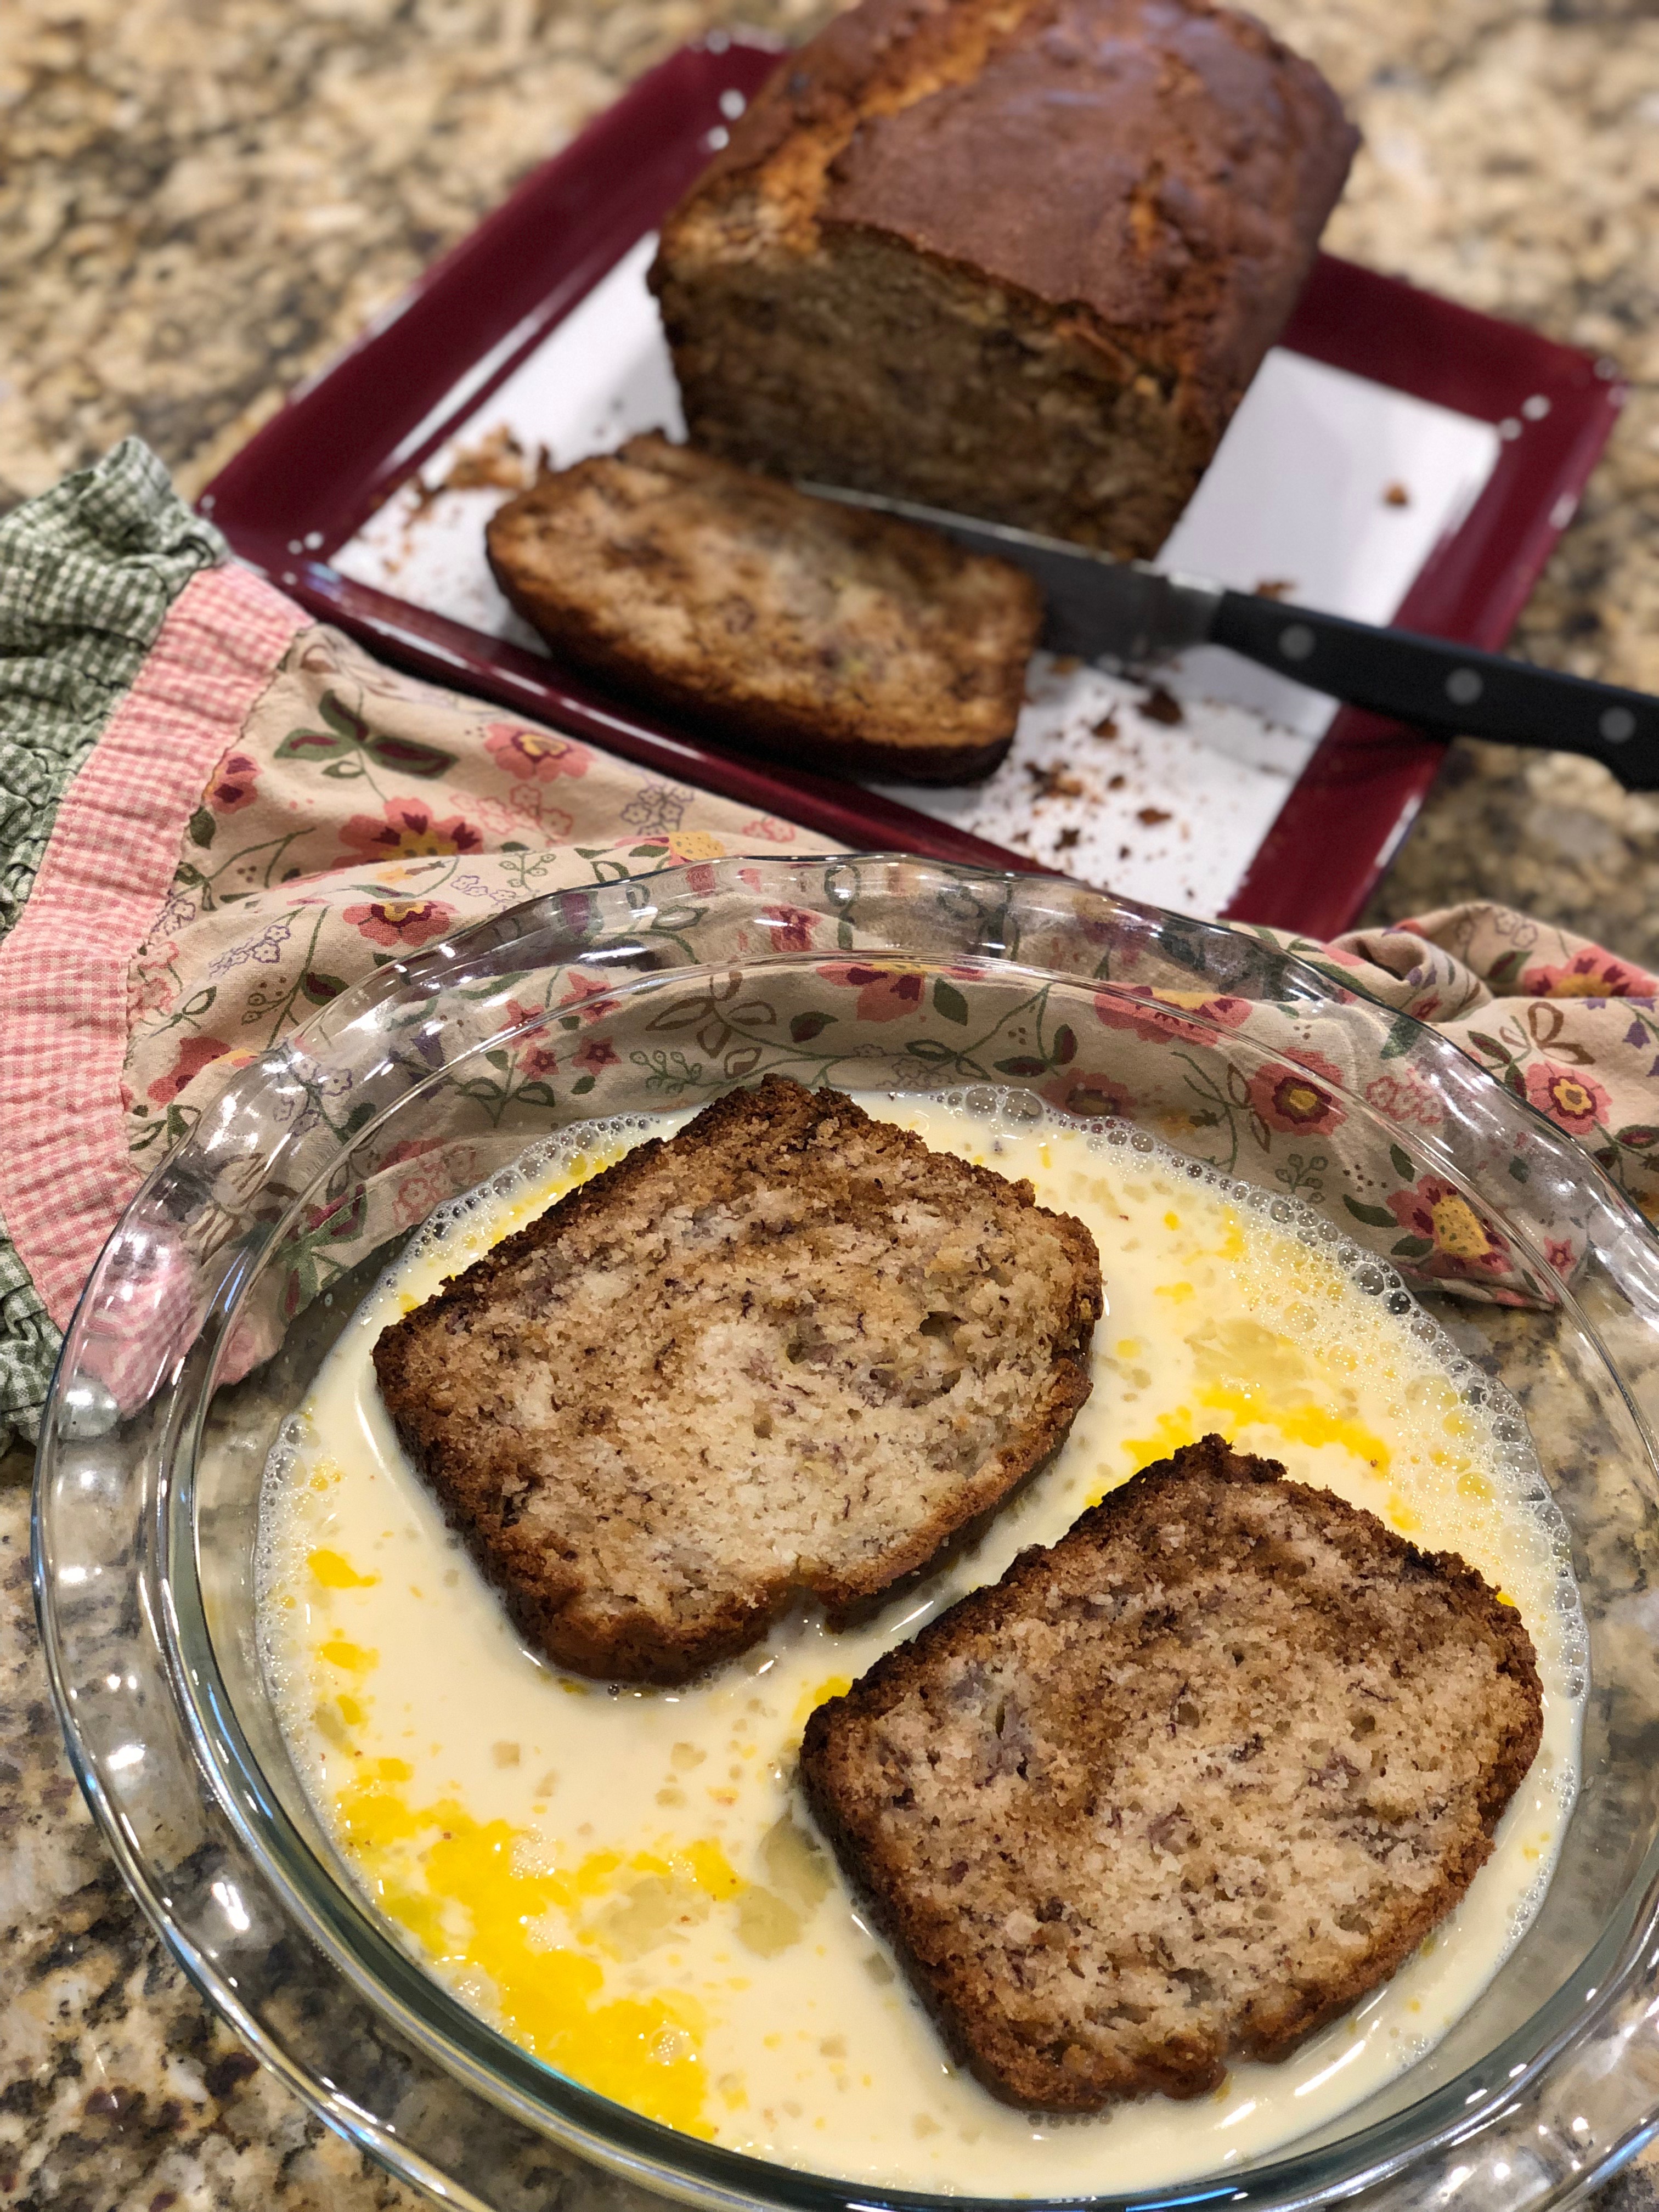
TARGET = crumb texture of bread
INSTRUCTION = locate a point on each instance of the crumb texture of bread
(791, 1351)
(1181, 1788)
(838, 640)
(1016, 257)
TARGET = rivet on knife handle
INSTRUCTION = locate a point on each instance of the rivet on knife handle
(1447, 688)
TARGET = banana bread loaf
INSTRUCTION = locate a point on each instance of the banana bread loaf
(1185, 1785)
(1016, 257)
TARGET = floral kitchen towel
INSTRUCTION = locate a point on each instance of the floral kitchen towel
(1570, 1028)
(215, 815)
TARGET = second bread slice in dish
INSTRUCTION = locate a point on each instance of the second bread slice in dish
(834, 638)
(1181, 1788)
(791, 1351)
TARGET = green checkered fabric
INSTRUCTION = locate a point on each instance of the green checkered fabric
(87, 573)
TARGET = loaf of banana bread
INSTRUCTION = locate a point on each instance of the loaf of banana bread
(1016, 257)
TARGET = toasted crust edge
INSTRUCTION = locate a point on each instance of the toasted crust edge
(644, 1652)
(1009, 2069)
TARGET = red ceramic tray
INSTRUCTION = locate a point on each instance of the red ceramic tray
(345, 440)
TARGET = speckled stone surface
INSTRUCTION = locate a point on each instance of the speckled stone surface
(202, 199)
(119, 2091)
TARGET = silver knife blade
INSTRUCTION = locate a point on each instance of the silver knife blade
(1094, 607)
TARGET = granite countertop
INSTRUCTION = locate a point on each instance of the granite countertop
(202, 202)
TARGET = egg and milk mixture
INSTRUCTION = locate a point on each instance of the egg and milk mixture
(624, 1881)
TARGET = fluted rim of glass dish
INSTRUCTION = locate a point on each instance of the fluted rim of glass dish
(1603, 2004)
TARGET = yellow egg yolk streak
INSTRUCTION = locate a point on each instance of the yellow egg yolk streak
(468, 1890)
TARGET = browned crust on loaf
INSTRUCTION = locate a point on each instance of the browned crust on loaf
(845, 1785)
(1145, 180)
(839, 639)
(774, 1137)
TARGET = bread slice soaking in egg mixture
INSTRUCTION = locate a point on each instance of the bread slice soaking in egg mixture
(791, 1351)
(1181, 1788)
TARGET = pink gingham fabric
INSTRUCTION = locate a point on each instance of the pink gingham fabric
(66, 1168)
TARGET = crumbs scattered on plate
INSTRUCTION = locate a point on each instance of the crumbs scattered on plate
(1129, 786)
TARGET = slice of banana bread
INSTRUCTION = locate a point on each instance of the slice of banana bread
(839, 639)
(791, 1351)
(1185, 1785)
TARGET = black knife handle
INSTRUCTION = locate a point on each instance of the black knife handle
(1449, 689)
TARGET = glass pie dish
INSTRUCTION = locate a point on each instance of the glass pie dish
(239, 1262)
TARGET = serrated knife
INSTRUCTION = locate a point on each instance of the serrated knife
(1129, 612)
